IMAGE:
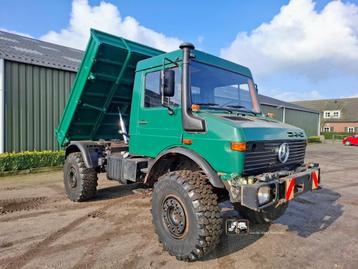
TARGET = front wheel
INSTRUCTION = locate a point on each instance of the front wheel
(266, 215)
(186, 215)
(347, 143)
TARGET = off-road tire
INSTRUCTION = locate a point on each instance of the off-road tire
(266, 215)
(203, 222)
(80, 181)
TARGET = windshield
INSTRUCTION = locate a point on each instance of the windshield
(215, 87)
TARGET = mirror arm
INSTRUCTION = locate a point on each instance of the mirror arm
(170, 110)
(173, 62)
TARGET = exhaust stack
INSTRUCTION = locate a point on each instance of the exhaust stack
(191, 123)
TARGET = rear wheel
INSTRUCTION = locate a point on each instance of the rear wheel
(80, 181)
(266, 215)
(186, 215)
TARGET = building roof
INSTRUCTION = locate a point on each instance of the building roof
(266, 100)
(32, 51)
(347, 106)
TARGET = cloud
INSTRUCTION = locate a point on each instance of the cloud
(106, 17)
(299, 40)
(350, 96)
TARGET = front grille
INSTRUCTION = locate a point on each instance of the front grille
(262, 156)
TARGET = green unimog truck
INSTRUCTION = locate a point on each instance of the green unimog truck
(189, 125)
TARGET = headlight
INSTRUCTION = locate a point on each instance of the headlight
(264, 195)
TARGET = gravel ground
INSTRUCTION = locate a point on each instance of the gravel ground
(41, 228)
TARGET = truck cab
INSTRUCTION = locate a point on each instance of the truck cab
(221, 99)
(187, 124)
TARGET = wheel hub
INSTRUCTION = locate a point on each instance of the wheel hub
(72, 177)
(174, 217)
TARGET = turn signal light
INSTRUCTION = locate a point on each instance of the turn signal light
(187, 141)
(195, 107)
(238, 146)
(270, 115)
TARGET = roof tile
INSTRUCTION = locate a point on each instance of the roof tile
(347, 106)
(28, 50)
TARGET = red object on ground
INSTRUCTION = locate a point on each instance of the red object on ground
(350, 140)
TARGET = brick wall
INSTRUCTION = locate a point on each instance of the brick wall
(341, 126)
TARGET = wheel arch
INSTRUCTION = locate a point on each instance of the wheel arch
(90, 151)
(170, 155)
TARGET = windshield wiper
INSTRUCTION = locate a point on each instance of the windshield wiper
(214, 106)
(236, 106)
(207, 104)
(242, 108)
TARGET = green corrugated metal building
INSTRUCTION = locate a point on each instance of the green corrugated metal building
(35, 80)
(306, 119)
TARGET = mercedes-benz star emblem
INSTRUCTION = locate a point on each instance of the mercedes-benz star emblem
(283, 152)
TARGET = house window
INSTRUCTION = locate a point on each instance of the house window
(332, 114)
(326, 129)
(336, 114)
(350, 129)
(327, 114)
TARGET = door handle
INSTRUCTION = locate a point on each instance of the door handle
(142, 122)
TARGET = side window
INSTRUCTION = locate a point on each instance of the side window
(152, 96)
(152, 90)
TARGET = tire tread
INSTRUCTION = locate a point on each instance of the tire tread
(206, 209)
(88, 179)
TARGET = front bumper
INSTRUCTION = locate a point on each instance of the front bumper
(285, 186)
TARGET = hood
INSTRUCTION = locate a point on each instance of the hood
(251, 128)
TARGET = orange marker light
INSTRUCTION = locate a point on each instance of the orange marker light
(195, 107)
(238, 146)
(187, 141)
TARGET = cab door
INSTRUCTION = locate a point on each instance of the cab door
(157, 129)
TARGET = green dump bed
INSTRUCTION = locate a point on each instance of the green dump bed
(103, 87)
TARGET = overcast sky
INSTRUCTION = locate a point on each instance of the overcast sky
(296, 49)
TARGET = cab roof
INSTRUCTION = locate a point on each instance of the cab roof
(200, 56)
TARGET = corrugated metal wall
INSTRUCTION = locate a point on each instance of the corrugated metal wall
(308, 121)
(305, 120)
(34, 101)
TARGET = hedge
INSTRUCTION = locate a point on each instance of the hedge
(30, 159)
(329, 135)
(314, 139)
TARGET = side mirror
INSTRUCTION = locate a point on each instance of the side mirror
(256, 88)
(167, 82)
